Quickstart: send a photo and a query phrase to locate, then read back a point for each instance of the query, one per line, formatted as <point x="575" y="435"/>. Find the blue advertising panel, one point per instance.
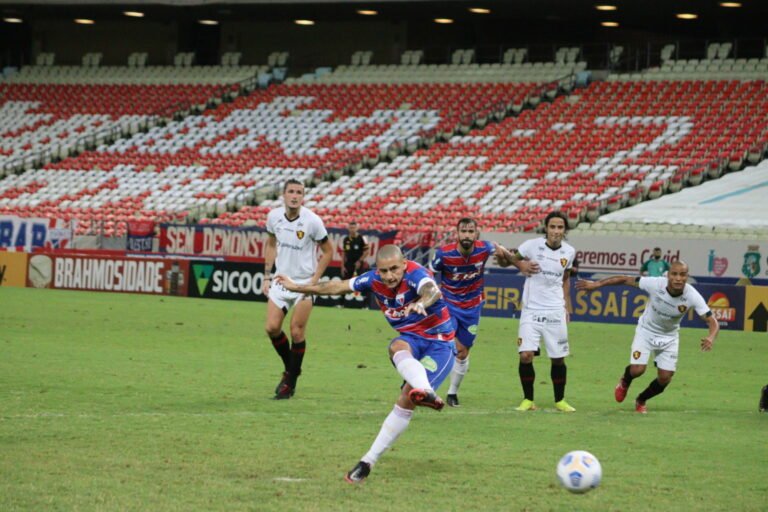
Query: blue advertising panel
<point x="615" y="304"/>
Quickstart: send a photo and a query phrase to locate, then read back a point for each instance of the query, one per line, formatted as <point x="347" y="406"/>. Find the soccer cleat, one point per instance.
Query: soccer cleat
<point x="640" y="407"/>
<point x="563" y="406"/>
<point x="452" y="400"/>
<point x="286" y="388"/>
<point x="526" y="405"/>
<point x="284" y="379"/>
<point x="426" y="398"/>
<point x="358" y="473"/>
<point x="620" y="391"/>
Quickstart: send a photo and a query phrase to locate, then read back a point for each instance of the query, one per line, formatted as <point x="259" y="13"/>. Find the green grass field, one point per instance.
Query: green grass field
<point x="129" y="402"/>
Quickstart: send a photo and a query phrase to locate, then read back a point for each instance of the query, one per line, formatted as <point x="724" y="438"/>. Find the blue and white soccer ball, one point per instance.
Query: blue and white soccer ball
<point x="579" y="471"/>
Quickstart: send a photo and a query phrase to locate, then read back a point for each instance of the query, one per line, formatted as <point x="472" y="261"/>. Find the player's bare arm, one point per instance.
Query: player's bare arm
<point x="505" y="258"/>
<point x="270" y="253"/>
<point x="714" y="328"/>
<point x="326" y="249"/>
<point x="567" y="297"/>
<point x="428" y="295"/>
<point x="587" y="285"/>
<point x="324" y="288"/>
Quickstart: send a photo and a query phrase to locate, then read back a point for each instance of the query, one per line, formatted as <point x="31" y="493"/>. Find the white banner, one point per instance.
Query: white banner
<point x="616" y="254"/>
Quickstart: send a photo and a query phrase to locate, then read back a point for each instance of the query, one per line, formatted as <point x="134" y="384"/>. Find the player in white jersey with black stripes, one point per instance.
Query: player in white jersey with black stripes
<point x="546" y="307"/>
<point x="658" y="330"/>
<point x="294" y="234"/>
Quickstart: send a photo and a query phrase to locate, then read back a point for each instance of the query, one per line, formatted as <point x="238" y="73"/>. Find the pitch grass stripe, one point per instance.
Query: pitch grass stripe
<point x="379" y="412"/>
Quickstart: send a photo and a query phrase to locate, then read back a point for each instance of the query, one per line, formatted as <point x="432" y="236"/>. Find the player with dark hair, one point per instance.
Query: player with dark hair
<point x="461" y="265"/>
<point x="422" y="352"/>
<point x="294" y="232"/>
<point x="658" y="330"/>
<point x="546" y="308"/>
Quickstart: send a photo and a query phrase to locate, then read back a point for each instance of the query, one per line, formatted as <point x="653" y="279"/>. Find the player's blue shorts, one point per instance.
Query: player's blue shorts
<point x="436" y="356"/>
<point x="465" y="322"/>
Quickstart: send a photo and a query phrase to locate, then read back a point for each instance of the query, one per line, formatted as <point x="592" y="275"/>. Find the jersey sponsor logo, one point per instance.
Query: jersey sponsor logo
<point x="472" y="329"/>
<point x="636" y="355"/>
<point x="563" y="262"/>
<point x="429" y="364"/>
<point x="300" y="235"/>
<point x="682" y="308"/>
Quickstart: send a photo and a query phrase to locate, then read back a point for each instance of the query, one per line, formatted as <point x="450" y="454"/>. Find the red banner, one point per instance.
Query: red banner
<point x="109" y="274"/>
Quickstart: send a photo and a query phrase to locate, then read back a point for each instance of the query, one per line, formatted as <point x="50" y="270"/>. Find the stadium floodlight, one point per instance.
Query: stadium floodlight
<point x="367" y="12"/>
<point x="687" y="15"/>
<point x="479" y="10"/>
<point x="13" y="20"/>
<point x="84" y="21"/>
<point x="444" y="21"/>
<point x="604" y="7"/>
<point x="610" y="23"/>
<point x="730" y="4"/>
<point x="133" y="14"/>
<point x="208" y="22"/>
<point x="304" y="22"/>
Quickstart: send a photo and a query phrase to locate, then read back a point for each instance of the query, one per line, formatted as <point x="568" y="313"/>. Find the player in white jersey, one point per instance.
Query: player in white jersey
<point x="546" y="308"/>
<point x="658" y="330"/>
<point x="294" y="235"/>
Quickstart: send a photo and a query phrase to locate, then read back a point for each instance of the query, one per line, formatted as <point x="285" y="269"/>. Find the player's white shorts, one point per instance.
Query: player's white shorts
<point x="550" y="325"/>
<point x="663" y="347"/>
<point x="285" y="299"/>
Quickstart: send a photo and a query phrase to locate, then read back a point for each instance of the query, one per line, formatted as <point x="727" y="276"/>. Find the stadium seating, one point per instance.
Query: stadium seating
<point x="610" y="147"/>
<point x="208" y="164"/>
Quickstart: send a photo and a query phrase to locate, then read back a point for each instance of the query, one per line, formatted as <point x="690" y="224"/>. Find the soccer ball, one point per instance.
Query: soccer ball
<point x="579" y="471"/>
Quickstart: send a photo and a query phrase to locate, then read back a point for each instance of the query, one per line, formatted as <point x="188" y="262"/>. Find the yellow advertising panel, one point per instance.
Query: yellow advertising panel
<point x="13" y="269"/>
<point x="756" y="309"/>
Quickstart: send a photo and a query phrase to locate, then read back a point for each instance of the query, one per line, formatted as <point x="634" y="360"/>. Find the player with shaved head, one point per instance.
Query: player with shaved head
<point x="422" y="351"/>
<point x="658" y="330"/>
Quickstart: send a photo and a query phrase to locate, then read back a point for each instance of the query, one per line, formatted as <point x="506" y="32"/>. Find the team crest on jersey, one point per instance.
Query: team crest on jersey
<point x="300" y="234"/>
<point x="400" y="299"/>
<point x="682" y="308"/>
<point x="636" y="354"/>
<point x="563" y="262"/>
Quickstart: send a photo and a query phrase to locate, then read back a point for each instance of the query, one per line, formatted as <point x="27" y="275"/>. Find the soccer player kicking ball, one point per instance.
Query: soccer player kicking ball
<point x="461" y="265"/>
<point x="422" y="352"/>
<point x="658" y="330"/>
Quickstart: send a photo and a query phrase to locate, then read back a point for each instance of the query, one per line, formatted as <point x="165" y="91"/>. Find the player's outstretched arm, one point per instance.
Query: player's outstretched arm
<point x="587" y="285"/>
<point x="714" y="328"/>
<point x="324" y="288"/>
<point x="429" y="293"/>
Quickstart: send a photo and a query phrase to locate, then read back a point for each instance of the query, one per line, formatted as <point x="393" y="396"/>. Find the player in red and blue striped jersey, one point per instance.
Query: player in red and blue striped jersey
<point x="461" y="265"/>
<point x="422" y="352"/>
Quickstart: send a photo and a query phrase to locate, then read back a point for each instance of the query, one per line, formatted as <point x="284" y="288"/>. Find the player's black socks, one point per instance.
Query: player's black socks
<point x="297" y="357"/>
<point x="627" y="377"/>
<point x="527" y="377"/>
<point x="282" y="348"/>
<point x="558" y="374"/>
<point x="653" y="389"/>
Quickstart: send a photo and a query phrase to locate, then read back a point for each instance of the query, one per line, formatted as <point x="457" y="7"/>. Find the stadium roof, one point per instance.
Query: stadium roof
<point x="551" y="16"/>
